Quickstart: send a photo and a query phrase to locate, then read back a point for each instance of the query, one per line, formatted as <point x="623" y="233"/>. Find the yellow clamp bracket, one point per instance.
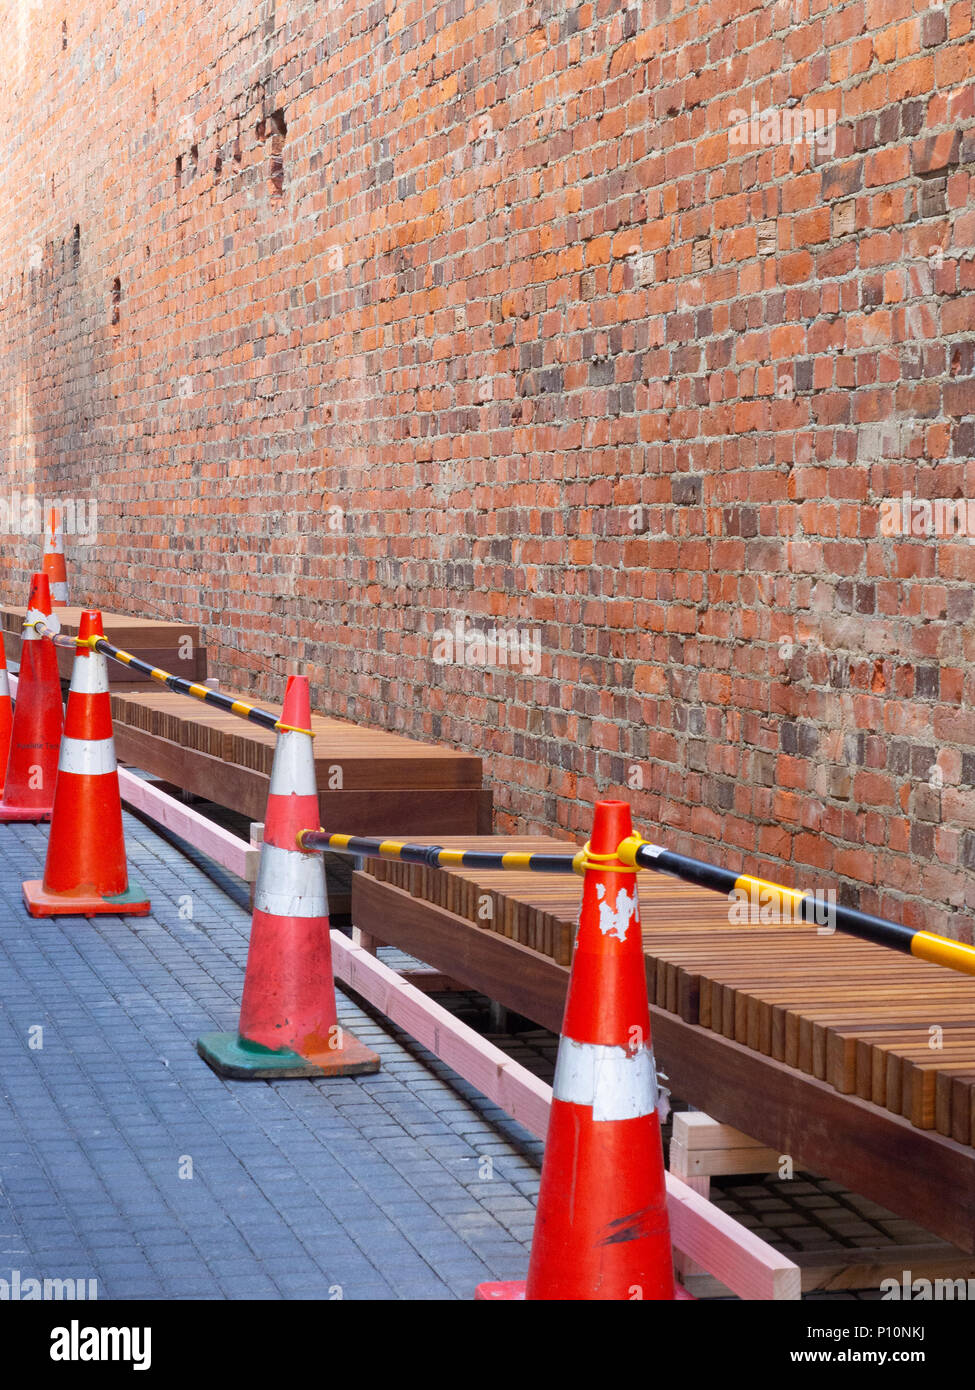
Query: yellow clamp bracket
<point x="609" y="863"/>
<point x="626" y="850"/>
<point x="291" y="728"/>
<point x="59" y="637"/>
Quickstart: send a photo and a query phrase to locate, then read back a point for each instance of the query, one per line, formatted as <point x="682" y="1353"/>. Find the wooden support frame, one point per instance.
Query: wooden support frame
<point x="701" y="1147"/>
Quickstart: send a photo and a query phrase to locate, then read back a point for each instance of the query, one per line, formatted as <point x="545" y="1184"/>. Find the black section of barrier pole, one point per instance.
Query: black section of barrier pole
<point x="812" y="908"/>
<point x="190" y="688"/>
<point x="435" y="855"/>
<point x="553" y="863"/>
<point x="692" y="870"/>
<point x="856" y="923"/>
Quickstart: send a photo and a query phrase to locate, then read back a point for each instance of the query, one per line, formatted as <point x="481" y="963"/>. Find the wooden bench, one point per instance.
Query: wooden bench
<point x="370" y="782"/>
<point x="176" y="647"/>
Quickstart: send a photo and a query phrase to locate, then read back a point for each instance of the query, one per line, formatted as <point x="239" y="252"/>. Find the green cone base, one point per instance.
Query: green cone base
<point x="132" y="903"/>
<point x="230" y="1055"/>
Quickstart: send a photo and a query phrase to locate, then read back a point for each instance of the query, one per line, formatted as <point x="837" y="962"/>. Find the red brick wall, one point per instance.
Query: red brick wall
<point x="570" y="347"/>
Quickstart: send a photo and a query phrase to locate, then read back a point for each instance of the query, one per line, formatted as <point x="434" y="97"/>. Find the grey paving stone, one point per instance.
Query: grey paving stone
<point x="298" y="1188"/>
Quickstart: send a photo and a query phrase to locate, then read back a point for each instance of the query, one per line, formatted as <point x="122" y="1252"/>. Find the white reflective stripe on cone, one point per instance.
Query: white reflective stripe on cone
<point x="290" y="884"/>
<point x="60" y="591"/>
<point x="89" y="757"/>
<point x="293" y="769"/>
<point x="619" y="1085"/>
<point x="89" y="674"/>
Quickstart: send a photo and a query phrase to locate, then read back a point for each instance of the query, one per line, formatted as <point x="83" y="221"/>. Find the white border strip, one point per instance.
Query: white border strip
<point x="617" y="1085"/>
<point x="87" y="757"/>
<point x="290" y="884"/>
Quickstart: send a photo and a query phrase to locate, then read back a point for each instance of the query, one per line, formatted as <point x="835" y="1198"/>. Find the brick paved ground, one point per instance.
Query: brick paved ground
<point x="375" y="1186"/>
<point x="407" y="1184"/>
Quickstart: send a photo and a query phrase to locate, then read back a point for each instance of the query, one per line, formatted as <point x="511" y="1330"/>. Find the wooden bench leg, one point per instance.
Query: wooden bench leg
<point x="702" y="1147"/>
<point x="365" y="941"/>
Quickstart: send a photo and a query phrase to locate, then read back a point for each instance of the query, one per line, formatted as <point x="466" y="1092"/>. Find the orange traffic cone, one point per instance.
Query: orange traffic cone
<point x="35" y="735"/>
<point x="601" y="1230"/>
<point x="288" y="1022"/>
<point x="52" y="562"/>
<point x="85" y="872"/>
<point x="6" y="713"/>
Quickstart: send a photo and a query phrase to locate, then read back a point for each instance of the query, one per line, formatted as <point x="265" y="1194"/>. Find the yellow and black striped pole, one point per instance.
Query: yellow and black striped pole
<point x="176" y="683"/>
<point x="641" y="854"/>
<point x="438" y="857"/>
<point x="803" y="907"/>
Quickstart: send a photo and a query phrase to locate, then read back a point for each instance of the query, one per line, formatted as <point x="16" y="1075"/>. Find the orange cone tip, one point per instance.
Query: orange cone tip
<point x="52" y="562"/>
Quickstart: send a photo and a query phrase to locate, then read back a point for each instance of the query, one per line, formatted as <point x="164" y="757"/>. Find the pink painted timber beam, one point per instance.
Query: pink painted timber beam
<point x="221" y="845"/>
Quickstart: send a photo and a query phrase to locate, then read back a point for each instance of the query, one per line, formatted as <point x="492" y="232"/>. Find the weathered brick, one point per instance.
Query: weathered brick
<point x="453" y="311"/>
<point x="935" y="153"/>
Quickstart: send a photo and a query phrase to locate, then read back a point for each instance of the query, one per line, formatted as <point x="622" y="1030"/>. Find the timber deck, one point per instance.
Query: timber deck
<point x="817" y="1045"/>
<point x="370" y="781"/>
<point x="176" y="647"/>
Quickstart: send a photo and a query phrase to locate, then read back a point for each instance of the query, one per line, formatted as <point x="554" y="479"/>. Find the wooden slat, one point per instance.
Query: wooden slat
<point x="177" y="647"/>
<point x="354" y="757"/>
